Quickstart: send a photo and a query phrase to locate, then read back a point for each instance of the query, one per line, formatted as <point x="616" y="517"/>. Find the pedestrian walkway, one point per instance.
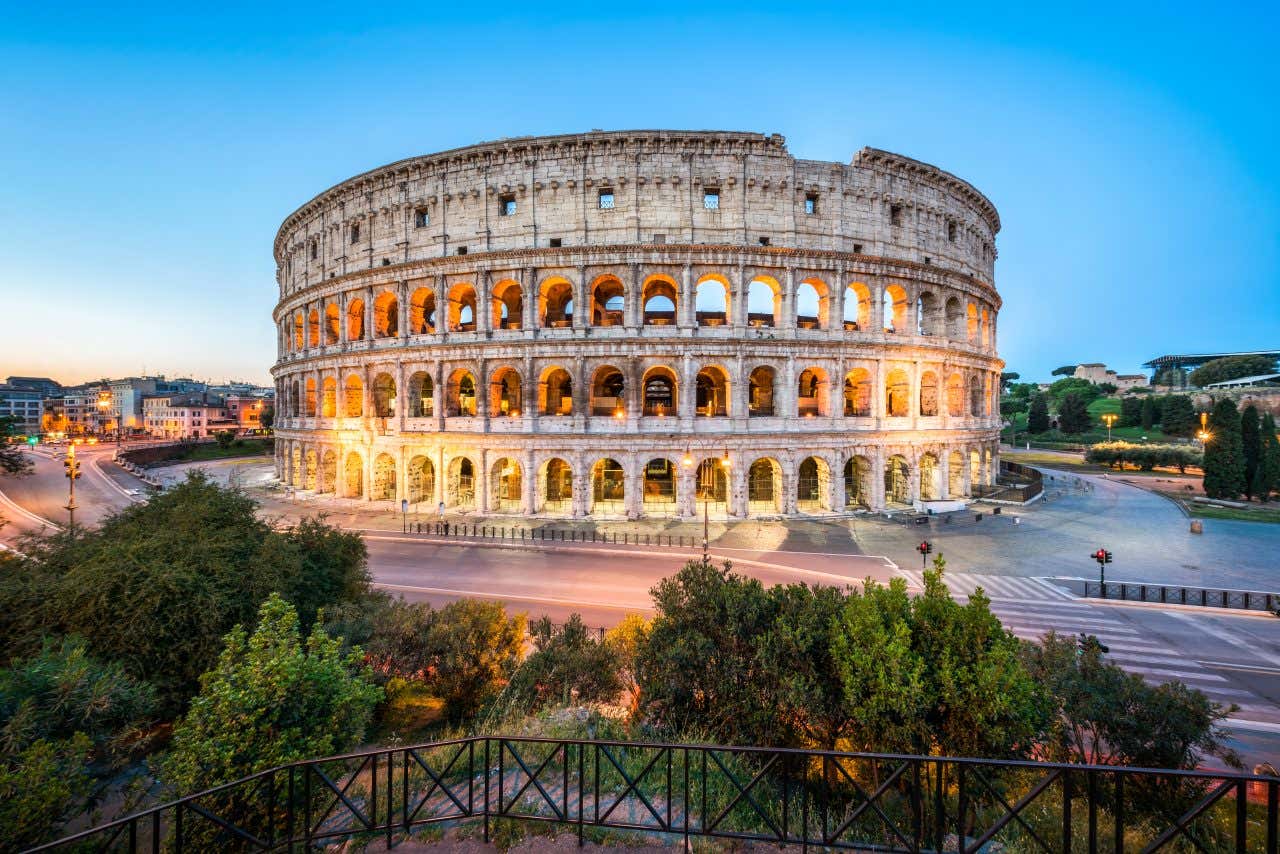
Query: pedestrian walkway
<point x="995" y="586"/>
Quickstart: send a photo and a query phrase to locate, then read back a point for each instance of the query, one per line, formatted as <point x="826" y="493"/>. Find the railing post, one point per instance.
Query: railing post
<point x="582" y="749"/>
<point x="1092" y="796"/>
<point x="1066" y="810"/>
<point x="1273" y="815"/>
<point x="1118" y="813"/>
<point x="486" y="787"/>
<point x="963" y="807"/>
<point x="1242" y="817"/>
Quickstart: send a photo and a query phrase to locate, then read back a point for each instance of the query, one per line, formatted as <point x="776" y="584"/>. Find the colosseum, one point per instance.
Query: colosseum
<point x="640" y="324"/>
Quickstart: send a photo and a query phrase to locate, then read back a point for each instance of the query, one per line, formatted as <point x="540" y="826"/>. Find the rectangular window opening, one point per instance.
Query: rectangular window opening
<point x="462" y="250"/>
<point x="711" y="199"/>
<point x="811" y="204"/>
<point x="659" y="238"/>
<point x="355" y="233"/>
<point x="857" y="249"/>
<point x="606" y="199"/>
<point x="895" y="214"/>
<point x="421" y="218"/>
<point x="764" y="241"/>
<point x="951" y="232"/>
<point x="506" y="205"/>
<point x="556" y="242"/>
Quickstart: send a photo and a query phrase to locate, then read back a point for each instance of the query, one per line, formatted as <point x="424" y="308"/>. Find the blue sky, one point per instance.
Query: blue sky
<point x="148" y="155"/>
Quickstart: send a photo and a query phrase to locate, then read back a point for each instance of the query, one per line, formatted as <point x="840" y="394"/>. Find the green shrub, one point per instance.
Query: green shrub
<point x="1144" y="456"/>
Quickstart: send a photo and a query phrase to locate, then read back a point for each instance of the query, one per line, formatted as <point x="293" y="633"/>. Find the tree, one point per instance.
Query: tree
<point x="1064" y="371"/>
<point x="1178" y="415"/>
<point x="41" y="787"/>
<point x="568" y="665"/>
<point x="268" y="416"/>
<point x="1083" y="389"/>
<point x="1073" y="415"/>
<point x="474" y="648"/>
<point x="1038" y="415"/>
<point x="158" y="585"/>
<point x="1270" y="457"/>
<point x="1023" y="391"/>
<point x="1224" y="453"/>
<point x="1007" y="377"/>
<point x="225" y="438"/>
<point x="1130" y="411"/>
<point x="12" y="458"/>
<point x="1011" y="406"/>
<point x="1231" y="368"/>
<point x="271" y="700"/>
<point x="1148" y="413"/>
<point x="1251" y="448"/>
<point x="1108" y="388"/>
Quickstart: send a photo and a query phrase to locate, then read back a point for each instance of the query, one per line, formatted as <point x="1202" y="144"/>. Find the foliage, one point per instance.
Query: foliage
<point x="1178" y="416"/>
<point x="1022" y="391"/>
<point x="268" y="416"/>
<point x="1171" y="377"/>
<point x="1224" y="453"/>
<point x="569" y="665"/>
<point x="1108" y="388"/>
<point x="1011" y="406"/>
<point x="13" y="460"/>
<point x="1145" y="456"/>
<point x="1130" y="412"/>
<point x="41" y="787"/>
<point x="1038" y="415"/>
<point x="62" y="691"/>
<point x="1106" y="716"/>
<point x="1231" y="368"/>
<point x="270" y="700"/>
<point x="225" y="438"/>
<point x="1073" y="414"/>
<point x="1150" y="412"/>
<point x="1081" y="388"/>
<point x="1270" y="457"/>
<point x="1251" y="447"/>
<point x="1064" y="371"/>
<point x="156" y="586"/>
<point x="627" y="639"/>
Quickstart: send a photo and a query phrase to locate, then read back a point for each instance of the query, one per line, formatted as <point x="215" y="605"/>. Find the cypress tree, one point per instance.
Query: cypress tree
<point x="1270" y="466"/>
<point x="1251" y="440"/>
<point x="1224" y="453"/>
<point x="1148" y="412"/>
<point x="1038" y="415"/>
<point x="1178" y="416"/>
<point x="1073" y="414"/>
<point x="1130" y="411"/>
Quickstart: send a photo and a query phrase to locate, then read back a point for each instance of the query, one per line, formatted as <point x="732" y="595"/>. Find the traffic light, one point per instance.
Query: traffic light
<point x="33" y="440"/>
<point x="72" y="466"/>
<point x="925" y="548"/>
<point x="1102" y="556"/>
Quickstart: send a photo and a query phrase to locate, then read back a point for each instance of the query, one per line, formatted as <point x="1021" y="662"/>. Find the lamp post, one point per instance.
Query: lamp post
<point x="1109" y="419"/>
<point x="1204" y="435"/>
<point x="72" y="466"/>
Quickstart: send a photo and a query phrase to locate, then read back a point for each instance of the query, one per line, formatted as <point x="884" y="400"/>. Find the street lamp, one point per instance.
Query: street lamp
<point x="72" y="466"/>
<point x="1109" y="419"/>
<point x="1204" y="435"/>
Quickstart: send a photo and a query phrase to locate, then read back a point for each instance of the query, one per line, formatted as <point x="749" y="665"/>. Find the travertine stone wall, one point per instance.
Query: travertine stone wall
<point x="631" y="323"/>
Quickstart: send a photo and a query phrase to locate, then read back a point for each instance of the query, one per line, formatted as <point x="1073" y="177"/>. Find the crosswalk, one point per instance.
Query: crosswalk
<point x="1031" y="607"/>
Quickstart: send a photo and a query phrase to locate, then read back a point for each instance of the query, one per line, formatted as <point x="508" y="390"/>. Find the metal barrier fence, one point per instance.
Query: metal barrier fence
<point x="520" y="534"/>
<point x="674" y="793"/>
<point x="1132" y="591"/>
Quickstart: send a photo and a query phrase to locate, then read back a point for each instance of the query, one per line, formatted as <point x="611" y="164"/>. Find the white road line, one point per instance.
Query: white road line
<point x="513" y="596"/>
<point x="22" y="511"/>
<point x="96" y="464"/>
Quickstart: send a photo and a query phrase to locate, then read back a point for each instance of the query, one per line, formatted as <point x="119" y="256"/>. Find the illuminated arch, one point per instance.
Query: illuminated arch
<point x="608" y="301"/>
<point x="711" y="300"/>
<point x="313" y="328"/>
<point x="386" y="315"/>
<point x="555" y="303"/>
<point x="557" y="487"/>
<point x="422" y="311"/>
<point x="384" y="478"/>
<point x="421" y="402"/>
<point x="857" y="482"/>
<point x="462" y="309"/>
<point x="608" y="486"/>
<point x="421" y="480"/>
<point x="353" y="476"/>
<point x="857" y="393"/>
<point x="955" y="395"/>
<point x="508" y="305"/>
<point x="460" y="491"/>
<point x="897" y="481"/>
<point x="659" y="300"/>
<point x="506" y="393"/>
<point x="813" y="300"/>
<point x="353" y="397"/>
<point x="555" y="392"/>
<point x="929" y="473"/>
<point x="895" y="309"/>
<point x="461" y="394"/>
<point x="813" y="485"/>
<point x="897" y="390"/>
<point x="813" y="393"/>
<point x="857" y="307"/>
<point x="764" y="487"/>
<point x="661" y="392"/>
<point x="355" y="320"/>
<point x="659" y="486"/>
<point x="332" y="324"/>
<point x="329" y="398"/>
<point x="506" y="486"/>
<point x="760" y="384"/>
<point x="764" y="302"/>
<point x="608" y="390"/>
<point x="928" y="394"/>
<point x="712" y="391"/>
<point x="384" y="396"/>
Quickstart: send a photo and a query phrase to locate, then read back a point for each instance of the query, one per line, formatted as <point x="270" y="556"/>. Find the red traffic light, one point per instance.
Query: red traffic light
<point x="925" y="547"/>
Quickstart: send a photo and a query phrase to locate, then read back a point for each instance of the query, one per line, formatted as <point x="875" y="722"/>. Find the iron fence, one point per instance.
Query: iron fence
<point x="674" y="793"/>
<point x="520" y="534"/>
<point x="1133" y="591"/>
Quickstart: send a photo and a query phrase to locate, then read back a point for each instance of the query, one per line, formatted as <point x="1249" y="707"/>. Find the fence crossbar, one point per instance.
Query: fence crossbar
<point x="872" y="802"/>
<point x="1014" y="813"/>
<point x="633" y="786"/>
<point x="1182" y="824"/>
<point x="436" y="782"/>
<point x="533" y="779"/>
<point x="744" y="794"/>
<point x="227" y="826"/>
<point x="340" y="796"/>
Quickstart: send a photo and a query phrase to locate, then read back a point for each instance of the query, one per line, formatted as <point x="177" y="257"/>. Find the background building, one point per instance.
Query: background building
<point x="24" y="404"/>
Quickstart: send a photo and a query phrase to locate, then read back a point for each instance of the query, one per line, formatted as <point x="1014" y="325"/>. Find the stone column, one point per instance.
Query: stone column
<point x="915" y="393"/>
<point x="528" y="484"/>
<point x="686" y="392"/>
<point x="788" y="302"/>
<point x="402" y="475"/>
<point x="402" y="395"/>
<point x="368" y="314"/>
<point x="738" y="287"/>
<point x="342" y="320"/>
<point x="528" y="396"/>
<point x="876" y="488"/>
<point x="442" y="305"/>
<point x="789" y="482"/>
<point x="438" y="397"/>
<point x="581" y="395"/>
<point x="482" y="394"/>
<point x="877" y="305"/>
<point x="529" y="294"/>
<point x="485" y="321"/>
<point x="581" y="307"/>
<point x="686" y="315"/>
<point x="835" y="301"/>
<point x="633" y="307"/>
<point x="738" y="472"/>
<point x="368" y="471"/>
<point x="581" y="485"/>
<point x="790" y="400"/>
<point x="482" y="481"/>
<point x="402" y="310"/>
<point x="633" y="478"/>
<point x="835" y="484"/>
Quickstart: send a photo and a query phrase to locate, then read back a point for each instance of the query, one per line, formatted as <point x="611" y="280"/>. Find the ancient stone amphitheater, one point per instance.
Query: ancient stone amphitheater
<point x="640" y="323"/>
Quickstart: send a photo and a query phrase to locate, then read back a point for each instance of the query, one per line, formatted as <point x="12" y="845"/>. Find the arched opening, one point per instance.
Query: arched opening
<point x="310" y="464"/>
<point x="556" y="392"/>
<point x="461" y="486"/>
<point x="897" y="481"/>
<point x="988" y="476"/>
<point x="353" y="476"/>
<point x="955" y="474"/>
<point x="928" y="314"/>
<point x="975" y="396"/>
<point x="929" y="478"/>
<point x="955" y="319"/>
<point x="975" y="469"/>
<point x="660" y="393"/>
<point x="386" y="315"/>
<point x="712" y="388"/>
<point x="811" y="304"/>
<point x="422" y="390"/>
<point x="986" y="329"/>
<point x="353" y="397"/>
<point x="505" y="484"/>
<point x="328" y="472"/>
<point x="384" y="478"/>
<point x="760" y="392"/>
<point x="313" y="328"/>
<point x="421" y="480"/>
<point x="329" y="398"/>
<point x="659" y="299"/>
<point x="332" y="323"/>
<point x="608" y="302"/>
<point x="857" y="307"/>
<point x="295" y="404"/>
<point x="310" y="397"/>
<point x="971" y="325"/>
<point x="557" y="478"/>
<point x="813" y="485"/>
<point x="508" y="305"/>
<point x="299" y="331"/>
<point x="422" y="311"/>
<point x="505" y="394"/>
<point x="764" y="302"/>
<point x="355" y="320"/>
<point x="555" y="301"/>
<point x="461" y="394"/>
<point x="857" y="393"/>
<point x="711" y="485"/>
<point x="711" y="301"/>
<point x="895" y="309"/>
<point x="897" y="389"/>
<point x="295" y="467"/>
<point x="812" y="393"/>
<point x="928" y="394"/>
<point x="857" y="482"/>
<point x="764" y="487"/>
<point x="607" y="388"/>
<point x="462" y="308"/>
<point x="608" y="486"/>
<point x="659" y="486"/>
<point x="384" y="396"/>
<point x="955" y="396"/>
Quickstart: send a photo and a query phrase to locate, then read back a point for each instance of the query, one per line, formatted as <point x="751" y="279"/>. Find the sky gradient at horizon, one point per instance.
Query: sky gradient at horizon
<point x="149" y="156"/>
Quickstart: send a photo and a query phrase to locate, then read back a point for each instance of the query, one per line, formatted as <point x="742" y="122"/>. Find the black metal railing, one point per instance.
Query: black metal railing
<point x="672" y="793"/>
<point x="521" y="534"/>
<point x="1165" y="594"/>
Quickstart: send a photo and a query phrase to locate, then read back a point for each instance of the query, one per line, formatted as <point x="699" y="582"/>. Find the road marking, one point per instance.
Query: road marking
<point x="553" y="600"/>
<point x="22" y="511"/>
<point x="95" y="463"/>
<point x="1252" y="668"/>
<point x="1221" y="634"/>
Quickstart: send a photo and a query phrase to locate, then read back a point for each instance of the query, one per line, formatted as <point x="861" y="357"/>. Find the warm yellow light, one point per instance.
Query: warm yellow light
<point x="725" y="462"/>
<point x="618" y="413"/>
<point x="688" y="460"/>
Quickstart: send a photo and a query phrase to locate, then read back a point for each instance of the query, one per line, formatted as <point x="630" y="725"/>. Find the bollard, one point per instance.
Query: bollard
<point x="1197" y="527"/>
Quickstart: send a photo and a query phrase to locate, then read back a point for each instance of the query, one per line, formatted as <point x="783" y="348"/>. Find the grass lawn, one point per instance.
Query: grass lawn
<point x="1104" y="405"/>
<point x="1261" y="513"/>
<point x="239" y="448"/>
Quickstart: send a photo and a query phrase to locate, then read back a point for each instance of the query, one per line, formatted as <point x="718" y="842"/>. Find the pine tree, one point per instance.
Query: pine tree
<point x="1130" y="411"/>
<point x="1251" y="440"/>
<point x="1073" y="414"/>
<point x="1148" y="412"/>
<point x="1270" y="457"/>
<point x="1224" y="453"/>
<point x="1178" y="416"/>
<point x="1038" y="415"/>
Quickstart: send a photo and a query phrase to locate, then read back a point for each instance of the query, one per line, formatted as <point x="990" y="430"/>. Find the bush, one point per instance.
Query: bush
<point x="1073" y="414"/>
<point x="1146" y="456"/>
<point x="225" y="438"/>
<point x="569" y="665"/>
<point x="41" y="787"/>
